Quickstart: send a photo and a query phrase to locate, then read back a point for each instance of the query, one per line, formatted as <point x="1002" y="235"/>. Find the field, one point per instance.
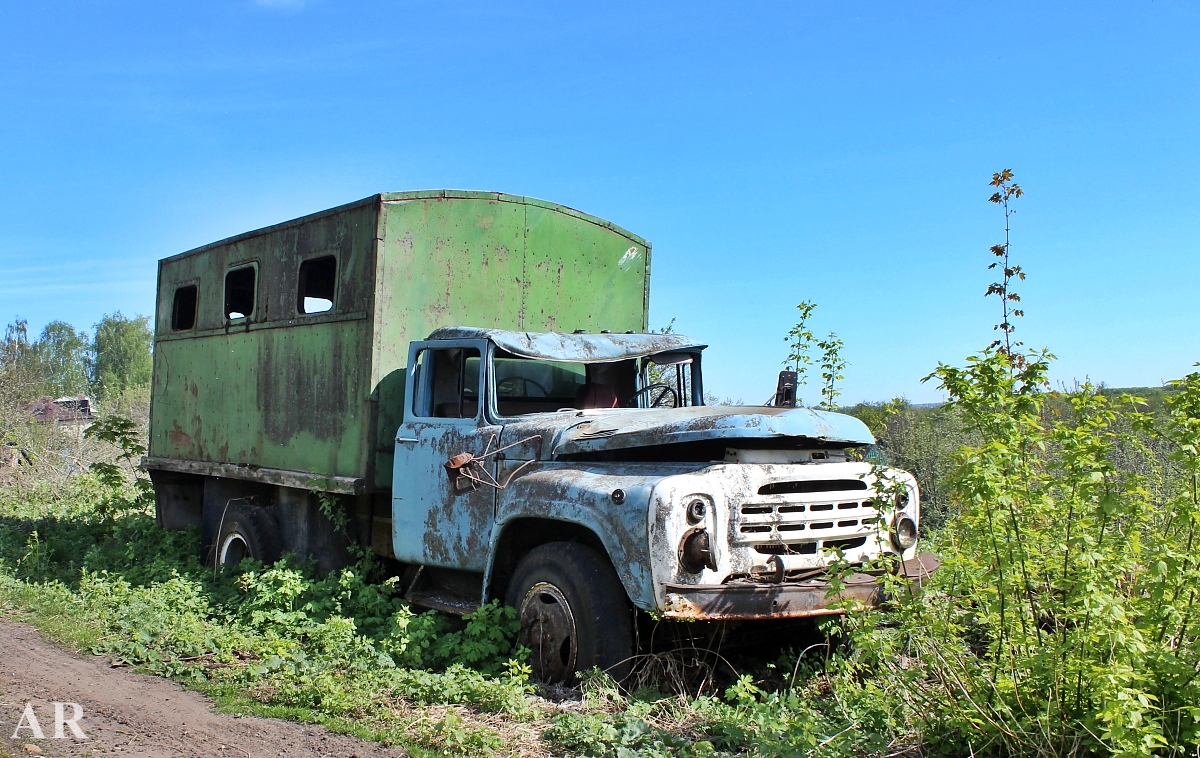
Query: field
<point x="1061" y="623"/>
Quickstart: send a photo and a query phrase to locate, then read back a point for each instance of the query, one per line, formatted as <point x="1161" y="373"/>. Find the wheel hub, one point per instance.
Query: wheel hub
<point x="233" y="550"/>
<point x="548" y="630"/>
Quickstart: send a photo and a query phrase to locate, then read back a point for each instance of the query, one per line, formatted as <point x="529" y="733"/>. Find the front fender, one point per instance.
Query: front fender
<point x="583" y="494"/>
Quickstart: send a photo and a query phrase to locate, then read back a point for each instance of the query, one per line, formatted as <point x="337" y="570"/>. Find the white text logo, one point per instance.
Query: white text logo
<point x="29" y="722"/>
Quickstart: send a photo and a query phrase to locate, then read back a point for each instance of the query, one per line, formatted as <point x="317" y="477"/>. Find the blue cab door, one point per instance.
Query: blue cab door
<point x="440" y="516"/>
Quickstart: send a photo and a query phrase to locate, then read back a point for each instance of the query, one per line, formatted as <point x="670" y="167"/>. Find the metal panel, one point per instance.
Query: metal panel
<point x="494" y="261"/>
<point x="437" y="519"/>
<point x="442" y="262"/>
<point x="323" y="393"/>
<point x="803" y="599"/>
<point x="560" y="346"/>
<point x="277" y="390"/>
<point x="618" y="430"/>
<point x="582" y="276"/>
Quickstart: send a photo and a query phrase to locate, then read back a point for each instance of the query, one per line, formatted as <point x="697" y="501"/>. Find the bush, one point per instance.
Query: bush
<point x="1062" y="621"/>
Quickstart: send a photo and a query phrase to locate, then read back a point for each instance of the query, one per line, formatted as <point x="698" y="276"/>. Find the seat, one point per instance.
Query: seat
<point x="596" y="395"/>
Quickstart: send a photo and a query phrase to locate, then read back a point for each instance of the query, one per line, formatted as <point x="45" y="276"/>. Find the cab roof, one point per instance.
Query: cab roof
<point x="563" y="346"/>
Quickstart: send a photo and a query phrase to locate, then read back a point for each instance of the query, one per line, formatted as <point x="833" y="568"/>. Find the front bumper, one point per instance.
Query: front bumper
<point x="811" y="597"/>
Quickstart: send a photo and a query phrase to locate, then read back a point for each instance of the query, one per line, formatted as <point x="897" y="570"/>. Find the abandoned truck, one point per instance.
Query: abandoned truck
<point x="463" y="383"/>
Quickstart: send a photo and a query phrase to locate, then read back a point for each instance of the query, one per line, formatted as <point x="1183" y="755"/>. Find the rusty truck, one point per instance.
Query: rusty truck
<point x="464" y="384"/>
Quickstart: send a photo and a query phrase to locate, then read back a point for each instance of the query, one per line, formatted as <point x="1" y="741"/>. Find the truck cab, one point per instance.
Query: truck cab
<point x="580" y="476"/>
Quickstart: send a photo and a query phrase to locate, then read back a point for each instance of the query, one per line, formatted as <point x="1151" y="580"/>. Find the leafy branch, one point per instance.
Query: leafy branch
<point x="800" y="341"/>
<point x="122" y="432"/>
<point x="832" y="366"/>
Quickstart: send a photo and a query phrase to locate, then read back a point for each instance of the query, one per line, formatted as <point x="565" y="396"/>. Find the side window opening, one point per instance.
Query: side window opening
<point x="448" y="383"/>
<point x="239" y="293"/>
<point x="672" y="370"/>
<point x="318" y="284"/>
<point x="183" y="308"/>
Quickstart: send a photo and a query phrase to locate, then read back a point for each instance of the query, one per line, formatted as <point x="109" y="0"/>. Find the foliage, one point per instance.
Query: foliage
<point x="832" y="366"/>
<point x="16" y="353"/>
<point x="115" y="366"/>
<point x="20" y="378"/>
<point x="333" y="644"/>
<point x="1061" y="621"/>
<point x="801" y="340"/>
<point x="1006" y="192"/>
<point x="62" y="354"/>
<point x="922" y="441"/>
<point x="122" y="354"/>
<point x="123" y="433"/>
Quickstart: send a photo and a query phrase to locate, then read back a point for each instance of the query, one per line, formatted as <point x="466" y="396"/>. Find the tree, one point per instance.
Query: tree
<point x="62" y="359"/>
<point x="20" y="376"/>
<point x="19" y="379"/>
<point x="122" y="354"/>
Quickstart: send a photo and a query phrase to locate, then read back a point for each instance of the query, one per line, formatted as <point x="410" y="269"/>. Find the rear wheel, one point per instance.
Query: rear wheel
<point x="573" y="611"/>
<point x="246" y="531"/>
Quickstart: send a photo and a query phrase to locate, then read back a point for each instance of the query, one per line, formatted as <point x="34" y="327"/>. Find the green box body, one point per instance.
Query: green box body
<point x="314" y="400"/>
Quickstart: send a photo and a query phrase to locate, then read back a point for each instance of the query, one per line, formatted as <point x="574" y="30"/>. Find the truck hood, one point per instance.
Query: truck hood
<point x="617" y="429"/>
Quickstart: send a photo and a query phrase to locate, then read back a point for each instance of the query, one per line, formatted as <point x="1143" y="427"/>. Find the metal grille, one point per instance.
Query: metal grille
<point x="801" y="522"/>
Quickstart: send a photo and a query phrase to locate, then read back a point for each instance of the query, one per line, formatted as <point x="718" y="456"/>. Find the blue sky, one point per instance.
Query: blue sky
<point x="772" y="152"/>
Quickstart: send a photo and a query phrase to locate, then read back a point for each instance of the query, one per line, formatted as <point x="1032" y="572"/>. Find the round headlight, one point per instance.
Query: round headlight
<point x="695" y="552"/>
<point x="904" y="533"/>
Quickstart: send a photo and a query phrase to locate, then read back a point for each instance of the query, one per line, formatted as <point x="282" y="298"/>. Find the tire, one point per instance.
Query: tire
<point x="573" y="612"/>
<point x="246" y="531"/>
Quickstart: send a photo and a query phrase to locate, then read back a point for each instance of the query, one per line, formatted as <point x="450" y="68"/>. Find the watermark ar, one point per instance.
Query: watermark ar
<point x="29" y="722"/>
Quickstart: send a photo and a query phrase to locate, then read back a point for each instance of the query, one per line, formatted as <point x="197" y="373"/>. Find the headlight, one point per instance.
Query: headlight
<point x="695" y="552"/>
<point x="904" y="533"/>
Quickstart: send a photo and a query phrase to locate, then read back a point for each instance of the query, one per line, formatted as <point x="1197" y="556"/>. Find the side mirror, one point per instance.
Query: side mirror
<point x="785" y="390"/>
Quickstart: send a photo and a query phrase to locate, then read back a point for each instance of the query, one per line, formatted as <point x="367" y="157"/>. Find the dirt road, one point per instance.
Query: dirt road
<point x="131" y="714"/>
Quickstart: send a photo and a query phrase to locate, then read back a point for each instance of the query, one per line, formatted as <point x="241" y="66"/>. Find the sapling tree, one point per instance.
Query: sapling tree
<point x="832" y="366"/>
<point x="800" y="341"/>
<point x="1006" y="192"/>
<point x="122" y="433"/>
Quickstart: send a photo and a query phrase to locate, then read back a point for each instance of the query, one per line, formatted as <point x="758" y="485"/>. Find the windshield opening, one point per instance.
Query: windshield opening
<point x="530" y="385"/>
<point x="535" y="385"/>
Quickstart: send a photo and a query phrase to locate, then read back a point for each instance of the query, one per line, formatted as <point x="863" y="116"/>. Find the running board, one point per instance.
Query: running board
<point x="441" y="600"/>
<point x="446" y="590"/>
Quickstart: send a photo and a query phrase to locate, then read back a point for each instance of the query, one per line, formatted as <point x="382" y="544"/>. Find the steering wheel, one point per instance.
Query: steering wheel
<point x="657" y="401"/>
<point x="509" y="386"/>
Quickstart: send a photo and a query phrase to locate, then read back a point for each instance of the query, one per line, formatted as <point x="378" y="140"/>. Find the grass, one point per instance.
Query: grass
<point x="1034" y="594"/>
<point x="89" y="567"/>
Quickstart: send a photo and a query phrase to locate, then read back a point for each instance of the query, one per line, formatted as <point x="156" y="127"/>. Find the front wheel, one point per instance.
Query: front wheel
<point x="573" y="612"/>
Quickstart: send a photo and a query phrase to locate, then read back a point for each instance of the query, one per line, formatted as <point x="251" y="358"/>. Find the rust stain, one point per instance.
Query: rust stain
<point x="759" y="600"/>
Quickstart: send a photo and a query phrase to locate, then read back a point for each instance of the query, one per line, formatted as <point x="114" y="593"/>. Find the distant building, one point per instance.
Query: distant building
<point x="63" y="410"/>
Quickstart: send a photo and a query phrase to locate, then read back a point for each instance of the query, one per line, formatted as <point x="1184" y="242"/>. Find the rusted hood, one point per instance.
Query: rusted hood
<point x="619" y="429"/>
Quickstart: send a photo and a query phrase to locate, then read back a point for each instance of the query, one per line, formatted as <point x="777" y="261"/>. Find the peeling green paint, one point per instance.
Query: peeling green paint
<point x="322" y="394"/>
